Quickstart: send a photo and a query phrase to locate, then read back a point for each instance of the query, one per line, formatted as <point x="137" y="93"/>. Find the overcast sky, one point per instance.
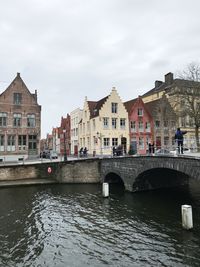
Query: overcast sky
<point x="69" y="49"/>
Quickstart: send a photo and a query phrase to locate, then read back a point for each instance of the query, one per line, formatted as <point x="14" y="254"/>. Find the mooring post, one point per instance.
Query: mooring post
<point x="187" y="221"/>
<point x="105" y="188"/>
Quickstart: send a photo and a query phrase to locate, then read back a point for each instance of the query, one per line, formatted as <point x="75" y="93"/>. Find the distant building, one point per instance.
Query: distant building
<point x="75" y="116"/>
<point x="56" y="140"/>
<point x="65" y="135"/>
<point x="140" y="126"/>
<point x="20" y="120"/>
<point x="49" y="141"/>
<point x="104" y="125"/>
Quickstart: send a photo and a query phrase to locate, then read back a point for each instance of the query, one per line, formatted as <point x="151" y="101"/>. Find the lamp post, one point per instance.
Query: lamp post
<point x="99" y="136"/>
<point x="65" y="151"/>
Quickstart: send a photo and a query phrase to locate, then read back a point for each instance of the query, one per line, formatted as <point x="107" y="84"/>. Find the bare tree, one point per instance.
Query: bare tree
<point x="188" y="96"/>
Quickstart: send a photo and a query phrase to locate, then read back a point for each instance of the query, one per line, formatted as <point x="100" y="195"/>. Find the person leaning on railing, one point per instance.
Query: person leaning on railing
<point x="179" y="139"/>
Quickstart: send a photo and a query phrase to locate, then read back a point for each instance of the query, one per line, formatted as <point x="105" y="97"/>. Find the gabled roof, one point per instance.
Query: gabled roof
<point x="17" y="79"/>
<point x="95" y="106"/>
<point x="176" y="83"/>
<point x="129" y="105"/>
<point x="155" y="90"/>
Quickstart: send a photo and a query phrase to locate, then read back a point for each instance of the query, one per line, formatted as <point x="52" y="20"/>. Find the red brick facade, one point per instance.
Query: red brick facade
<point x="140" y="125"/>
<point x="65" y="135"/>
<point x="20" y="120"/>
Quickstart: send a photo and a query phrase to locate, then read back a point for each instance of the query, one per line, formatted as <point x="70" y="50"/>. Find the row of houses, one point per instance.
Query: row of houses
<point x="109" y="122"/>
<point x="99" y="125"/>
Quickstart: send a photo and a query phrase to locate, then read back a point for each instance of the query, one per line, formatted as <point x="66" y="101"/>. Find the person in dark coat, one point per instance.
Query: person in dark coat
<point x="179" y="139"/>
<point x="81" y="152"/>
<point x="85" y="152"/>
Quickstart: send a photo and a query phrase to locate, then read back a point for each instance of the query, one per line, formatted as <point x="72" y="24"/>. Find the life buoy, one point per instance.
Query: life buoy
<point x="49" y="170"/>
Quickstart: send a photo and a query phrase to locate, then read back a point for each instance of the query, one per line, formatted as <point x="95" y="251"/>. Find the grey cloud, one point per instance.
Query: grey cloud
<point x="71" y="48"/>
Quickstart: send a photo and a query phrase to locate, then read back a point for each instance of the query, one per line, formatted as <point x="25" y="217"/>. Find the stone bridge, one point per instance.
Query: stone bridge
<point x="150" y="172"/>
<point x="136" y="173"/>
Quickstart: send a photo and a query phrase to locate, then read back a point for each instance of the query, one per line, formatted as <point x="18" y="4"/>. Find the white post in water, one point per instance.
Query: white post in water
<point x="105" y="188"/>
<point x="187" y="221"/>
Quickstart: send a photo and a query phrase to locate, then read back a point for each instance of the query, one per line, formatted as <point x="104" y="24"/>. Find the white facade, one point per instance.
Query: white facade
<point x="75" y="116"/>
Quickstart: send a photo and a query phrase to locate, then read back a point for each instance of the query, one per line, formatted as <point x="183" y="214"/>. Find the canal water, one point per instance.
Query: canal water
<point x="73" y="225"/>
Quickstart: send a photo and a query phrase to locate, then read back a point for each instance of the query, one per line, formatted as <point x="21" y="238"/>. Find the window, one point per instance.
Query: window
<point x="106" y="142"/>
<point x="105" y="123"/>
<point x="114" y="123"/>
<point x="114" y="141"/>
<point x="31" y="120"/>
<point x="157" y="124"/>
<point x="17" y="118"/>
<point x="88" y="142"/>
<point x="32" y="142"/>
<point x="141" y="126"/>
<point x="22" y="142"/>
<point x="3" y="119"/>
<point x="88" y="126"/>
<point x="11" y="143"/>
<point x="114" y="107"/>
<point x="17" y="98"/>
<point x="133" y="126"/>
<point x="140" y="112"/>
<point x="165" y="124"/>
<point x="93" y="123"/>
<point x="122" y="123"/>
<point x="183" y="122"/>
<point x="166" y="140"/>
<point x="148" y="127"/>
<point x="141" y="143"/>
<point x="2" y="144"/>
<point x="173" y="124"/>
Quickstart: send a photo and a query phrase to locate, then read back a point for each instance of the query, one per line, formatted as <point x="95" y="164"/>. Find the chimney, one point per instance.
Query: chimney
<point x="36" y="95"/>
<point x="18" y="74"/>
<point x="158" y="83"/>
<point x="169" y="77"/>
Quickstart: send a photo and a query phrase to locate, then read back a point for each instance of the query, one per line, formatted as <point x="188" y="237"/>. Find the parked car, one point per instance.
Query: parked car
<point x="53" y="155"/>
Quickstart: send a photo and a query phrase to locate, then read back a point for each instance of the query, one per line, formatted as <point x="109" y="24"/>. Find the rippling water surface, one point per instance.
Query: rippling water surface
<point x="72" y="225"/>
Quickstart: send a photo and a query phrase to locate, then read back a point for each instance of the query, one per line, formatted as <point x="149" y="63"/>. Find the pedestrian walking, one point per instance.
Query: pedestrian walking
<point x="179" y="139"/>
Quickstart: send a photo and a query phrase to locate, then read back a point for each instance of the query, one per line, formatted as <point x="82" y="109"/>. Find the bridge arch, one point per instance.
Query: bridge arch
<point x="156" y="178"/>
<point x="114" y="178"/>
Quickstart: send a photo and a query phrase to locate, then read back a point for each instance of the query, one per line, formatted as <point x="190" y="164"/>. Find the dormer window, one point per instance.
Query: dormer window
<point x="140" y="112"/>
<point x="17" y="98"/>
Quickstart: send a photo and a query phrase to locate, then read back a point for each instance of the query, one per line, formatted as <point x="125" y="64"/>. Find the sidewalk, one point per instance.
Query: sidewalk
<point x="191" y="154"/>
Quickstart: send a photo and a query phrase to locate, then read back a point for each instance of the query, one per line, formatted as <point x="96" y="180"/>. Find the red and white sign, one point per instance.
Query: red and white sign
<point x="49" y="170"/>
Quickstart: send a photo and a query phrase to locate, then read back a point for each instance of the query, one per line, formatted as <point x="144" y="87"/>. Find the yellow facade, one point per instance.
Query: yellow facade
<point x="100" y="133"/>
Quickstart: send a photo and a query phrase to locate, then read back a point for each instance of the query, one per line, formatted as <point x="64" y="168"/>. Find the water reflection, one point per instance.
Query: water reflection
<point x="73" y="225"/>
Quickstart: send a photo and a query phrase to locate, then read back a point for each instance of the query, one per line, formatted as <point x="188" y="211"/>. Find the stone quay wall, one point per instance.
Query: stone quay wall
<point x="77" y="171"/>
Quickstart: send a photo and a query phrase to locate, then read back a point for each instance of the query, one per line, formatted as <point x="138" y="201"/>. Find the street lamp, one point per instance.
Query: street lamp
<point x="99" y="136"/>
<point x="65" y="151"/>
